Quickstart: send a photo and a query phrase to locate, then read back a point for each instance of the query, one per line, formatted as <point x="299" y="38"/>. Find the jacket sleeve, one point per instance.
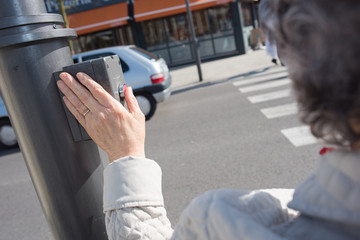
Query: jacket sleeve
<point x="133" y="201"/>
<point x="231" y="215"/>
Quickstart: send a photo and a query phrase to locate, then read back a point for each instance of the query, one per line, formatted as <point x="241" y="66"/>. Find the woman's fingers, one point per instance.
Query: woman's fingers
<point x="99" y="93"/>
<point x="71" y="97"/>
<point x="131" y="101"/>
<point x="77" y="94"/>
<point x="74" y="111"/>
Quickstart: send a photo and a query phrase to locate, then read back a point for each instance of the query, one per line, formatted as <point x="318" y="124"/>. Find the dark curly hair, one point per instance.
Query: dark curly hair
<point x="319" y="42"/>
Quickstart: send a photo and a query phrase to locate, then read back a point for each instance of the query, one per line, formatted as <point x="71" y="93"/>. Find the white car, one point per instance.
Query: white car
<point x="7" y="134"/>
<point x="147" y="74"/>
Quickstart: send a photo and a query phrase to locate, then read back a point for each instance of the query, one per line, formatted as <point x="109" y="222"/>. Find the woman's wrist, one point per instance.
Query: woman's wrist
<point x="114" y="156"/>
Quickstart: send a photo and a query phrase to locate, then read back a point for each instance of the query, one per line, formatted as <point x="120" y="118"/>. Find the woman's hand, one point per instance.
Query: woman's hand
<point x="117" y="131"/>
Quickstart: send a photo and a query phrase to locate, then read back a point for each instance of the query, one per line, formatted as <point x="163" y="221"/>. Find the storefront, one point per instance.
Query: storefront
<point x="162" y="27"/>
<point x="170" y="36"/>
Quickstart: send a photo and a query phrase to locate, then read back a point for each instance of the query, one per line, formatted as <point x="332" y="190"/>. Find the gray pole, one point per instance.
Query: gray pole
<point x="67" y="176"/>
<point x="195" y="42"/>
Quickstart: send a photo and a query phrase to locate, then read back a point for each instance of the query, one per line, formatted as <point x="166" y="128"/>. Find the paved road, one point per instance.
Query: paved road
<point x="21" y="216"/>
<point x="240" y="133"/>
<point x="234" y="133"/>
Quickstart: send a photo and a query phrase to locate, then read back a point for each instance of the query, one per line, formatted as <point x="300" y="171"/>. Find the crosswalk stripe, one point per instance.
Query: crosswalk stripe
<point x="266" y="85"/>
<point x="299" y="136"/>
<point x="264" y="72"/>
<point x="270" y="96"/>
<point x="260" y="78"/>
<point x="280" y="111"/>
<point x="260" y="73"/>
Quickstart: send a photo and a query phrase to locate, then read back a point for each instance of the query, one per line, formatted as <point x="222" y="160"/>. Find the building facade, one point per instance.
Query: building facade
<point x="222" y="27"/>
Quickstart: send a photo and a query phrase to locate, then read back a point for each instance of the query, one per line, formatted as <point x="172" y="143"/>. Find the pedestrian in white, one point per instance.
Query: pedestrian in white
<point x="271" y="49"/>
<point x="265" y="14"/>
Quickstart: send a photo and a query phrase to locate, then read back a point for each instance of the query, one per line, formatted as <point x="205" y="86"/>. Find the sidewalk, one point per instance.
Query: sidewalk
<point x="223" y="69"/>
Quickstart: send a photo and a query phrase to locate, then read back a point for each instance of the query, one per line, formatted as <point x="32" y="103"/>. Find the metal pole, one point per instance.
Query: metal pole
<point x="67" y="176"/>
<point x="195" y="42"/>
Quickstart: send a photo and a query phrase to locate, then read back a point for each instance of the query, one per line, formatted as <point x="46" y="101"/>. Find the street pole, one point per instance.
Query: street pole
<point x="195" y="43"/>
<point x="67" y="175"/>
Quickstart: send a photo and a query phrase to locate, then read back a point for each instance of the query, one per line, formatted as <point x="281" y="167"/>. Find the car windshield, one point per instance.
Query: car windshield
<point x="144" y="53"/>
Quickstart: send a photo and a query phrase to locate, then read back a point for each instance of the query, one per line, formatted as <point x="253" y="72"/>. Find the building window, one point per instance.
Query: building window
<point x="203" y="32"/>
<point x="222" y="29"/>
<point x="112" y="37"/>
<point x="176" y="28"/>
<point x="155" y="38"/>
<point x="103" y="39"/>
<point x="178" y="34"/>
<point x="154" y="34"/>
<point x="246" y="14"/>
<point x="170" y="37"/>
<point x="124" y="36"/>
<point x="83" y="43"/>
<point x="221" y="20"/>
<point x="201" y="23"/>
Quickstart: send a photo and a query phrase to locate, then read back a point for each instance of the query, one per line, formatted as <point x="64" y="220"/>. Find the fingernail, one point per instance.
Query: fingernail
<point x="62" y="75"/>
<point x="125" y="88"/>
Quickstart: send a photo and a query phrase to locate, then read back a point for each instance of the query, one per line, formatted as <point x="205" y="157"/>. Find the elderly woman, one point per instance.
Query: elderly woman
<point x="319" y="43"/>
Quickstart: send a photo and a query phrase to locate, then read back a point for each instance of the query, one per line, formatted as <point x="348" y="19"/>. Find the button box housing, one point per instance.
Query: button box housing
<point x="108" y="73"/>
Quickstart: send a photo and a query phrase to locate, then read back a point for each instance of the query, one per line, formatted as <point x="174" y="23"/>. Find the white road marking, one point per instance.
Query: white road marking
<point x="261" y="78"/>
<point x="262" y="73"/>
<point x="270" y="96"/>
<point x="266" y="85"/>
<point x="280" y="111"/>
<point x="299" y="136"/>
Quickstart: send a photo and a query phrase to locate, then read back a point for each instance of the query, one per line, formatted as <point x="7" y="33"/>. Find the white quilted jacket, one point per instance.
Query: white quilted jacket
<point x="326" y="206"/>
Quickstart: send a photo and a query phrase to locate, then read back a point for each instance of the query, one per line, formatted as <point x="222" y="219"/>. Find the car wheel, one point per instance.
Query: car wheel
<point x="147" y="104"/>
<point x="7" y="134"/>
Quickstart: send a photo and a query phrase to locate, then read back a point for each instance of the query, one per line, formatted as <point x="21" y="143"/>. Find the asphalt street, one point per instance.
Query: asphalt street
<point x="238" y="129"/>
<point x="211" y="136"/>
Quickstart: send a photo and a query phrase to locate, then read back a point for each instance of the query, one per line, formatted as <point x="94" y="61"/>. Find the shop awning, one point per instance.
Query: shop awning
<point x="150" y="9"/>
<point x="99" y="19"/>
